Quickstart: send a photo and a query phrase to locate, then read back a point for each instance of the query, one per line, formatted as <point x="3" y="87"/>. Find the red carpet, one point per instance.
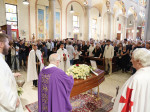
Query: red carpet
<point x="84" y="103"/>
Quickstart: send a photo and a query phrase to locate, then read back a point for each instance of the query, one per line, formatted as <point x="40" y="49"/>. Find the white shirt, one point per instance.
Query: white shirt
<point x="51" y="46"/>
<point x="13" y="51"/>
<point x="70" y="50"/>
<point x="109" y="52"/>
<point x="91" y="50"/>
<point x="48" y="45"/>
<point x="77" y="53"/>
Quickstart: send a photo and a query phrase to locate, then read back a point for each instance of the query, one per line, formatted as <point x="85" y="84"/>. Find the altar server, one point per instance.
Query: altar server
<point x="9" y="99"/>
<point x="64" y="58"/>
<point x="135" y="93"/>
<point x="35" y="64"/>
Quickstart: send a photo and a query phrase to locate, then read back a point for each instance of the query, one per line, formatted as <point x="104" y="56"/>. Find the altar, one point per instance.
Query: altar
<point x="92" y="81"/>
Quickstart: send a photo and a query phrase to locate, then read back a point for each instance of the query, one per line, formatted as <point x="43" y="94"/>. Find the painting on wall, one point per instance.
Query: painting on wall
<point x="41" y="23"/>
<point x="143" y="3"/>
<point x="119" y="27"/>
<point x="47" y="21"/>
<point x="58" y="25"/>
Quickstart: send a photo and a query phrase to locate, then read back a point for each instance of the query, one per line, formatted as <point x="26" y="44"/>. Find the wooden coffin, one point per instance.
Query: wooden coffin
<point x="92" y="81"/>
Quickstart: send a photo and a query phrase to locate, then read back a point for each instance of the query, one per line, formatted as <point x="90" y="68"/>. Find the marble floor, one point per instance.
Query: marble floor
<point x="108" y="87"/>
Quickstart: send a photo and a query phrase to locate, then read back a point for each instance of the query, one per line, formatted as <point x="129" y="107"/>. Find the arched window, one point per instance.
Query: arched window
<point x="75" y="24"/>
<point x="94" y="23"/>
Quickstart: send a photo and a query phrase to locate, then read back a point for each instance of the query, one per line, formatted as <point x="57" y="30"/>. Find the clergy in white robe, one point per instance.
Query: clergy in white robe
<point x="134" y="96"/>
<point x="64" y="58"/>
<point x="32" y="70"/>
<point x="9" y="99"/>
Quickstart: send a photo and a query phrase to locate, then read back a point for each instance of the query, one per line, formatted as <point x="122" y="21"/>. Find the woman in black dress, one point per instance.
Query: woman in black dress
<point x="124" y="54"/>
<point x="98" y="53"/>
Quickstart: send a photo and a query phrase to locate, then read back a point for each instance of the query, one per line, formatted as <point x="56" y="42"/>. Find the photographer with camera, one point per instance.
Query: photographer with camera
<point x="15" y="57"/>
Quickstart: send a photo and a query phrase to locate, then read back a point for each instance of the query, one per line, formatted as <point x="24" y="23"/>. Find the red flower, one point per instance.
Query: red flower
<point x="64" y="54"/>
<point x="77" y="64"/>
<point x="68" y="55"/>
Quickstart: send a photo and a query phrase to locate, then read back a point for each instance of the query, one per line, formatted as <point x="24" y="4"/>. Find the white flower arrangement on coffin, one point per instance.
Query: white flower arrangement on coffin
<point x="79" y="71"/>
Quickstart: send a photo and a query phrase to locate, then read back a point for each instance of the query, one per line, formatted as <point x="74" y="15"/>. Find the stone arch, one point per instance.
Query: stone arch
<point x="120" y="5"/>
<point x="73" y="1"/>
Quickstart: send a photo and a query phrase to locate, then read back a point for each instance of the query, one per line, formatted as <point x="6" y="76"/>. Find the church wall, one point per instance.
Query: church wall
<point x="79" y="12"/>
<point x="27" y="19"/>
<point x="120" y="26"/>
<point x="2" y="12"/>
<point x="94" y="14"/>
<point x="108" y="26"/>
<point x="23" y="23"/>
<point x="32" y="18"/>
<point x="104" y="10"/>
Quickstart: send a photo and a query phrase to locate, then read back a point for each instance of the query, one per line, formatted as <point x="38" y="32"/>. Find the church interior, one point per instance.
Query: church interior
<point x="84" y="20"/>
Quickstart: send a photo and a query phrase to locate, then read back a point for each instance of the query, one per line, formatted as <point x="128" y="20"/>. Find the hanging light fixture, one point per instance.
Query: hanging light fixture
<point x="25" y="2"/>
<point x="99" y="15"/>
<point x="108" y="5"/>
<point x="117" y="18"/>
<point x="71" y="10"/>
<point x="85" y="3"/>
<point x="130" y="23"/>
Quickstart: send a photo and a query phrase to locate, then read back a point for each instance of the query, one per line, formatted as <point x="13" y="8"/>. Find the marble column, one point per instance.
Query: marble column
<point x="109" y="27"/>
<point x="3" y="14"/>
<point x="135" y="30"/>
<point x="32" y="19"/>
<point x="114" y="28"/>
<point x="86" y="23"/>
<point x="147" y="24"/>
<point x="52" y="27"/>
<point x="125" y="27"/>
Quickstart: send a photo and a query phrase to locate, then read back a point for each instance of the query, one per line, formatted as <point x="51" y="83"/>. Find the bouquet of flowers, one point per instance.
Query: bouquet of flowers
<point x="20" y="91"/>
<point x="79" y="71"/>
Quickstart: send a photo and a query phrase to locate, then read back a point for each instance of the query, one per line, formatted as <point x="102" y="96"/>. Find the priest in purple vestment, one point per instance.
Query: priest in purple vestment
<point x="54" y="88"/>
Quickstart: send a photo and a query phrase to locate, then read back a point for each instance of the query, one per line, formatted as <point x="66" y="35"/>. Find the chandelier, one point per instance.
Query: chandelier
<point x="85" y="3"/>
<point x="25" y="2"/>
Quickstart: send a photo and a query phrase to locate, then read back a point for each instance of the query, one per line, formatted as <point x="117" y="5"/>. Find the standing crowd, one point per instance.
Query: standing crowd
<point x="76" y="50"/>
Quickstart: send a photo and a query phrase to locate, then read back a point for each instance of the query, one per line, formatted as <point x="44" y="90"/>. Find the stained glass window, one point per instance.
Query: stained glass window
<point x="11" y="15"/>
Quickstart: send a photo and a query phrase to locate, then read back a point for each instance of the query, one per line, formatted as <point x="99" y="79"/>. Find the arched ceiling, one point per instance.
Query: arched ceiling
<point x="132" y="11"/>
<point x="98" y="4"/>
<point x="60" y="2"/>
<point x="99" y="7"/>
<point x="119" y="5"/>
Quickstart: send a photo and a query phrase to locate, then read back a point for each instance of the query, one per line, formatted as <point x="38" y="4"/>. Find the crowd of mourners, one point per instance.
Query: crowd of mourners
<point x="19" y="51"/>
